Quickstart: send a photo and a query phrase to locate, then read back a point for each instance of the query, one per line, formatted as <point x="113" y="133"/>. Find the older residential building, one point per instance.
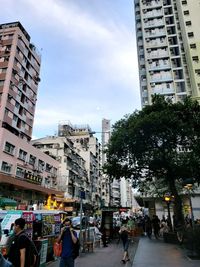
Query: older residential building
<point x="89" y="149"/>
<point x="72" y="174"/>
<point x="168" y="42"/>
<point x="26" y="174"/>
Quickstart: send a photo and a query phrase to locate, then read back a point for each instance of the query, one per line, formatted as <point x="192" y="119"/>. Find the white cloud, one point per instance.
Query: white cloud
<point x="112" y="59"/>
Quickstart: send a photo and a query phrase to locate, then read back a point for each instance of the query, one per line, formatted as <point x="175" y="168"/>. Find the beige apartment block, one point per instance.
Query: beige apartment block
<point x="168" y="43"/>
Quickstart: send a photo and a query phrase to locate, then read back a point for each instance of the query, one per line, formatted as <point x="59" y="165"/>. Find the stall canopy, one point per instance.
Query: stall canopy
<point x="4" y="201"/>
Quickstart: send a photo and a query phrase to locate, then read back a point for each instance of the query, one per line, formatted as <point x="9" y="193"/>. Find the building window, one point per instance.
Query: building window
<point x="188" y="23"/>
<point x="197" y="71"/>
<point x="41" y="165"/>
<point x="15" y="117"/>
<point x="6" y="167"/>
<point x="32" y="160"/>
<point x="1" y="82"/>
<point x="9" y="148"/>
<point x="48" y="167"/>
<point x="20" y="172"/>
<point x="184" y="2"/>
<point x="6" y="112"/>
<point x="195" y="59"/>
<point x="190" y="34"/>
<point x="193" y="46"/>
<point x="22" y="155"/>
<point x="3" y="70"/>
<point x="186" y="12"/>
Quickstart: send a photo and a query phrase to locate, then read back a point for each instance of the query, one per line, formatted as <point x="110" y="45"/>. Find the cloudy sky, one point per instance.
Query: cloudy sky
<point x="89" y="59"/>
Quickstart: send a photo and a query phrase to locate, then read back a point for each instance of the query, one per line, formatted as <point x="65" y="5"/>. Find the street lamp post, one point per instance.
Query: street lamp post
<point x="188" y="187"/>
<point x="168" y="199"/>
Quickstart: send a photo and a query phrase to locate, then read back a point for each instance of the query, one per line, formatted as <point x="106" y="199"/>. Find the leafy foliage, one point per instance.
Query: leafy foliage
<point x="159" y="145"/>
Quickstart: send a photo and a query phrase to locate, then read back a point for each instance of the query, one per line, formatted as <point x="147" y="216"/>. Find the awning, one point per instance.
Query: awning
<point x="4" y="201"/>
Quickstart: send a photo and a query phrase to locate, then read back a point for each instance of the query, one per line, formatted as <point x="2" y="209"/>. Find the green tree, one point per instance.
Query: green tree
<point x="158" y="147"/>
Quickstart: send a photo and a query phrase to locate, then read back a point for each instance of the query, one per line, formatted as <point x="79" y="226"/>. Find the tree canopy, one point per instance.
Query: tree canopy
<point x="159" y="145"/>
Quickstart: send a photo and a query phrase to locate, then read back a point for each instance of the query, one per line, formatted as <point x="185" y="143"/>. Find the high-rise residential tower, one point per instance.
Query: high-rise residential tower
<point x="27" y="175"/>
<point x="19" y="78"/>
<point x="168" y="43"/>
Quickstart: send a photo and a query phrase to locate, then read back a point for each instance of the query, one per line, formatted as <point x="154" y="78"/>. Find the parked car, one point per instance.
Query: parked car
<point x="76" y="222"/>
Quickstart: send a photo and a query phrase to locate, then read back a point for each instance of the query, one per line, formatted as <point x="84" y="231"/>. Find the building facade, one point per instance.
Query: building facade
<point x="72" y="174"/>
<point x="26" y="174"/>
<point x="19" y="78"/>
<point x="105" y="181"/>
<point x="168" y="43"/>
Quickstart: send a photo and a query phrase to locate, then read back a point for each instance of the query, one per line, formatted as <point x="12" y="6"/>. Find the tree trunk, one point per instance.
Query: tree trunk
<point x="178" y="219"/>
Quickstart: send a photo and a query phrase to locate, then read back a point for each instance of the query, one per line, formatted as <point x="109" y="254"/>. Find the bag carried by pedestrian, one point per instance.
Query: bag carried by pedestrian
<point x="57" y="249"/>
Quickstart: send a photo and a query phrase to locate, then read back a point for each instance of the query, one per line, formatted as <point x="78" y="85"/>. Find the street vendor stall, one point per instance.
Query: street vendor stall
<point x="7" y="225"/>
<point x="47" y="225"/>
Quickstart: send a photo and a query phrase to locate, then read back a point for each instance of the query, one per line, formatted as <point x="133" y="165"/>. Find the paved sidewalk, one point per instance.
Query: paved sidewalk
<point x="110" y="256"/>
<point x="156" y="253"/>
<point x="148" y="253"/>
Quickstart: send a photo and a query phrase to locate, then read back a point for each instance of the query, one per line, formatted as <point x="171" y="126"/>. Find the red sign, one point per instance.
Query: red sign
<point x="22" y="207"/>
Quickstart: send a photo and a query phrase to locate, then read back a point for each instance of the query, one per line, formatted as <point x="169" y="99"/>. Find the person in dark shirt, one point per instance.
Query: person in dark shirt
<point x="68" y="236"/>
<point x="19" y="253"/>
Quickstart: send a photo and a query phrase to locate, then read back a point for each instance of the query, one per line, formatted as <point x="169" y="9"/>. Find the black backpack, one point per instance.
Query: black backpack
<point x="32" y="254"/>
<point x="76" y="248"/>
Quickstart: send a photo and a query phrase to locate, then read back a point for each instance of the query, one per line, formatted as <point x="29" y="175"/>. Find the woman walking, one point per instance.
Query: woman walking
<point x="124" y="232"/>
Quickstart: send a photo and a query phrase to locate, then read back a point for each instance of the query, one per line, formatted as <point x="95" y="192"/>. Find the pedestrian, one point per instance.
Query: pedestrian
<point x="124" y="233"/>
<point x="21" y="252"/>
<point x="68" y="237"/>
<point x="104" y="237"/>
<point x="156" y="226"/>
<point x="148" y="226"/>
<point x="3" y="261"/>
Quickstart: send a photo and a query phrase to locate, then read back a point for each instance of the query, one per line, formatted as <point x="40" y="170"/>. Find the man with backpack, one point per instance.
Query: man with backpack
<point x="23" y="252"/>
<point x="69" y="240"/>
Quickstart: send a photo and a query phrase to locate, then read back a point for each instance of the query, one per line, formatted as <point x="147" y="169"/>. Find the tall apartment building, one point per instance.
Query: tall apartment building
<point x="105" y="182"/>
<point x="26" y="174"/>
<point x="168" y="43"/>
<point x="19" y="78"/>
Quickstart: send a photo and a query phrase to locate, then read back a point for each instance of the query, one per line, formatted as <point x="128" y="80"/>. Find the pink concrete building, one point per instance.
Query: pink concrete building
<point x="26" y="174"/>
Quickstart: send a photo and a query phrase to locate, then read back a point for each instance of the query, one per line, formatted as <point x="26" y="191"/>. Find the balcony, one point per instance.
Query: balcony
<point x="153" y="15"/>
<point x="160" y="67"/>
<point x="163" y="91"/>
<point x="158" y="55"/>
<point x="155" y="34"/>
<point x="152" y="5"/>
<point x="161" y="79"/>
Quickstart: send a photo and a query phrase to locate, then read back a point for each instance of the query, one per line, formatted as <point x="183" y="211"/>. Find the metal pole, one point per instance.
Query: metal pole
<point x="81" y="211"/>
<point x="191" y="208"/>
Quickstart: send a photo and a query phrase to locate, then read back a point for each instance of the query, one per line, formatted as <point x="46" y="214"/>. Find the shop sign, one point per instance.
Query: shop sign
<point x="31" y="178"/>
